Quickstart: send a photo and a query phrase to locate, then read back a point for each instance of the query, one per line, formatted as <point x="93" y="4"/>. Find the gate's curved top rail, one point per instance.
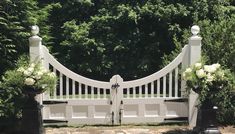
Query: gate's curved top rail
<point x="164" y="71"/>
<point x="65" y="71"/>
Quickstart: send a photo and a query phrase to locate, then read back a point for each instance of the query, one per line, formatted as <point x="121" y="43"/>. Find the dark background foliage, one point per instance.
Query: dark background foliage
<point x="101" y="38"/>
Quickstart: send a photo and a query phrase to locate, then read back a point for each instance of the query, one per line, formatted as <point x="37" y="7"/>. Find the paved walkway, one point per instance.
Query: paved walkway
<point x="130" y="130"/>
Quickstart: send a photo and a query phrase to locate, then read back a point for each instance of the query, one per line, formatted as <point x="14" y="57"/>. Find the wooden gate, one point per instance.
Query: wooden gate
<point x="156" y="98"/>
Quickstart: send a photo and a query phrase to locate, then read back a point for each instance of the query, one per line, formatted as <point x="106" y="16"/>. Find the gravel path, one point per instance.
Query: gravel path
<point x="130" y="130"/>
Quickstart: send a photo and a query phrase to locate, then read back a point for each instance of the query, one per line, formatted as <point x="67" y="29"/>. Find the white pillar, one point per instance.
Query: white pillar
<point x="35" y="54"/>
<point x="35" y="44"/>
<point x="194" y="56"/>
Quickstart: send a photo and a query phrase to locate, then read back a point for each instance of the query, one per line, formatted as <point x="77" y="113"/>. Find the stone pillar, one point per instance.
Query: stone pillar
<point x="194" y="56"/>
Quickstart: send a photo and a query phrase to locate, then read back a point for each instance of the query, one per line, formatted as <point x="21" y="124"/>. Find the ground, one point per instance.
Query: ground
<point x="127" y="129"/>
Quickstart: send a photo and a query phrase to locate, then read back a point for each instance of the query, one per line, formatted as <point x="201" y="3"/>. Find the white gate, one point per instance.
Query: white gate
<point x="78" y="100"/>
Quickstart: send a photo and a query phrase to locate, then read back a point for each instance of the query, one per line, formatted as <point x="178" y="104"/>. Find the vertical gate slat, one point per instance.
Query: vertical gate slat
<point x="140" y="91"/>
<point x="146" y="90"/>
<point x="164" y="86"/>
<point x="105" y="93"/>
<point x="134" y="92"/>
<point x="92" y="92"/>
<point x="170" y="84"/>
<point x="67" y="87"/>
<point x="152" y="89"/>
<point x="54" y="92"/>
<point x="158" y="88"/>
<point x="80" y="89"/>
<point x="73" y="88"/>
<point x="176" y="82"/>
<point x="86" y="91"/>
<point x="98" y="93"/>
<point x="128" y="92"/>
<point x="61" y="85"/>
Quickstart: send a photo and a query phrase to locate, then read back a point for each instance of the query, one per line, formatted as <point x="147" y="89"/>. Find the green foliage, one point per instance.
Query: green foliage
<point x="109" y="37"/>
<point x="219" y="41"/>
<point x="16" y="17"/>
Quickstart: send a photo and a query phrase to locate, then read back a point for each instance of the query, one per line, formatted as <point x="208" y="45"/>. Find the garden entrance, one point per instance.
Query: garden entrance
<point x="156" y="98"/>
<point x="79" y="100"/>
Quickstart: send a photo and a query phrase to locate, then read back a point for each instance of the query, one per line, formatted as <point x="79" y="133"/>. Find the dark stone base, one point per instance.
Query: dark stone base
<point x="32" y="118"/>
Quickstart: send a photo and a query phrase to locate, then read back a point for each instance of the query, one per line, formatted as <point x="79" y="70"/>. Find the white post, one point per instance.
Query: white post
<point x="116" y="97"/>
<point x="35" y="44"/>
<point x="194" y="56"/>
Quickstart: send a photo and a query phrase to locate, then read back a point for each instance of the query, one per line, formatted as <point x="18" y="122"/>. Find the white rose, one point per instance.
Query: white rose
<point x="29" y="81"/>
<point x="200" y="73"/>
<point x="198" y="65"/>
<point x="210" y="68"/>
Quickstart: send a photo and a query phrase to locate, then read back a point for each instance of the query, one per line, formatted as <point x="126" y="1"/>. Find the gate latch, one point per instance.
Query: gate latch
<point x="115" y="86"/>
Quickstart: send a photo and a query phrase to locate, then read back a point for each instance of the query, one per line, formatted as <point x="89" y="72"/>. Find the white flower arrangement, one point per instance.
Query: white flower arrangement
<point x="36" y="77"/>
<point x="29" y="76"/>
<point x="206" y="79"/>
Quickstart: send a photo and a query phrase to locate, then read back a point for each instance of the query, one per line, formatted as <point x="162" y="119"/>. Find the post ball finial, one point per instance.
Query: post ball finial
<point x="34" y="30"/>
<point x="195" y="30"/>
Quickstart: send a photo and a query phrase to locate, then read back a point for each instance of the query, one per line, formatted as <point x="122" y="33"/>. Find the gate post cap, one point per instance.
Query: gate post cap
<point x="195" y="29"/>
<point x="34" y="30"/>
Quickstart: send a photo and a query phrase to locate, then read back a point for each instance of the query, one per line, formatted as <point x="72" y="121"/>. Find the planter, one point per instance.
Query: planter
<point x="31" y="115"/>
<point x="206" y="120"/>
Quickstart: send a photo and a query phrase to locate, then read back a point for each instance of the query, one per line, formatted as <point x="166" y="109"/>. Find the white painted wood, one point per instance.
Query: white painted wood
<point x="67" y="87"/>
<point x="176" y="81"/>
<point x="61" y="85"/>
<point x="152" y="89"/>
<point x="105" y="94"/>
<point x="54" y="91"/>
<point x="73" y="89"/>
<point x="158" y="88"/>
<point x="128" y="92"/>
<point x="134" y="92"/>
<point x="194" y="56"/>
<point x="92" y="93"/>
<point x="80" y="90"/>
<point x="140" y="91"/>
<point x="86" y="91"/>
<point x="143" y="109"/>
<point x="170" y="84"/>
<point x="146" y="90"/>
<point x="164" y="86"/>
<point x="98" y="93"/>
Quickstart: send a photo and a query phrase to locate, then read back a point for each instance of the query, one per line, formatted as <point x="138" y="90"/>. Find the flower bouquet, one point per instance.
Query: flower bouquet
<point x="36" y="79"/>
<point x="29" y="77"/>
<point x="207" y="80"/>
